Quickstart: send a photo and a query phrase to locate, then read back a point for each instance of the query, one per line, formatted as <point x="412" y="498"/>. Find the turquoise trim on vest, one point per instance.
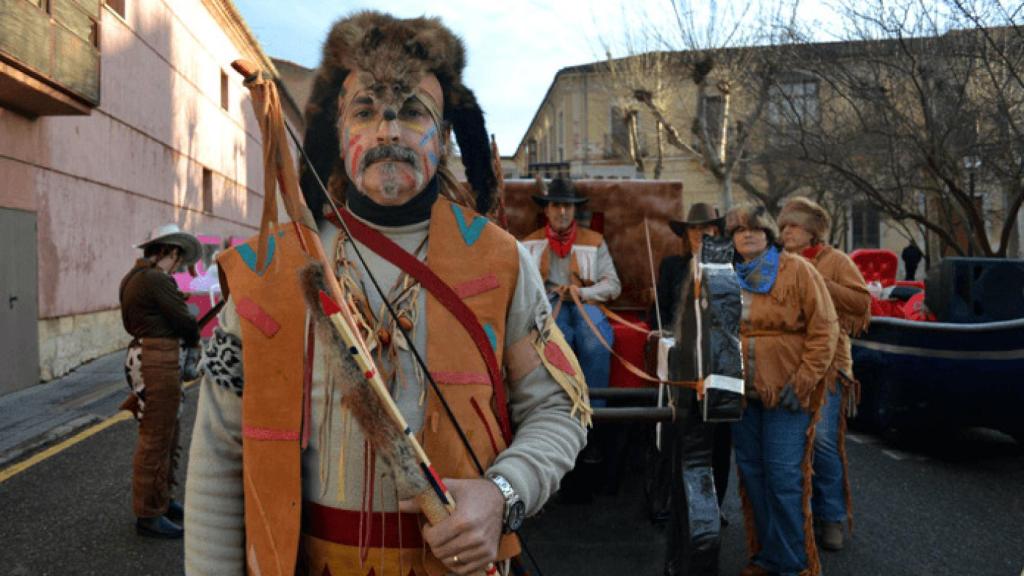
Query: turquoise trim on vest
<point x="471" y="232"/>
<point x="249" y="256"/>
<point x="489" y="330"/>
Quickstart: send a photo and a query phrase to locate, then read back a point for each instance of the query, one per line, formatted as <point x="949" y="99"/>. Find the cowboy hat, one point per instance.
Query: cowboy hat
<point x="559" y="190"/>
<point x="701" y="214"/>
<point x="173" y="235"/>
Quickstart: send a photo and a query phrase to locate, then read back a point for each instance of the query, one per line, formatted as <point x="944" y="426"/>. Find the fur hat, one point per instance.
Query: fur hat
<point x="397" y="53"/>
<point x="750" y="216"/>
<point x="808" y="215"/>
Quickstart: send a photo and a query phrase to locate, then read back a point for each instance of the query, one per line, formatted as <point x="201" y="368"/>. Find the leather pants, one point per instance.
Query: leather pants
<point x="156" y="451"/>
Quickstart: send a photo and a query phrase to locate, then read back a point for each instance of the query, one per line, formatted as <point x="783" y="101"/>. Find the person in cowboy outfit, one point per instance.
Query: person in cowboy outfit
<point x="154" y="312"/>
<point x="317" y="500"/>
<point x="805" y="228"/>
<point x="575" y="261"/>
<point x="788" y="332"/>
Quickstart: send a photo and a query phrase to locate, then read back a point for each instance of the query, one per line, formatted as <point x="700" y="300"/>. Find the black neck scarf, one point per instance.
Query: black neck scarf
<point x="412" y="212"/>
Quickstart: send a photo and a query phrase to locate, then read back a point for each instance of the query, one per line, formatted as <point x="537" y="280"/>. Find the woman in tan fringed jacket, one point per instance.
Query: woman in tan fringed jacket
<point x="805" y="228"/>
<point x="789" y="334"/>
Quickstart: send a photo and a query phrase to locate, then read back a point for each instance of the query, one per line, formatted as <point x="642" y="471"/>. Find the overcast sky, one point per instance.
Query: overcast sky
<point x="514" y="48"/>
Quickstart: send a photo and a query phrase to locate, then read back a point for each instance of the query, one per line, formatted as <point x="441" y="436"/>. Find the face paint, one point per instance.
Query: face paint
<point x="391" y="144"/>
<point x="426" y="137"/>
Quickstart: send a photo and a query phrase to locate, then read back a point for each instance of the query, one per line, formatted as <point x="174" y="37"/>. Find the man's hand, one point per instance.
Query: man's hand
<point x="190" y="370"/>
<point x="467" y="541"/>
<point x="566" y="292"/>
<point x="573" y="290"/>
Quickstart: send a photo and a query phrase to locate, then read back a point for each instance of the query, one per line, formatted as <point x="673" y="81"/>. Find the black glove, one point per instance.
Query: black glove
<point x="191" y="369"/>
<point x="788" y="399"/>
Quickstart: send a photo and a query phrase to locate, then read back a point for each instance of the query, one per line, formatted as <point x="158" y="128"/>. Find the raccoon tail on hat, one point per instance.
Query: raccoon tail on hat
<point x="467" y="121"/>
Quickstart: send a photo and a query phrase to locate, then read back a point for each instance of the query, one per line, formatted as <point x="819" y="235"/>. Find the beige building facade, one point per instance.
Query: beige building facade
<point x="579" y="131"/>
<point x="166" y="135"/>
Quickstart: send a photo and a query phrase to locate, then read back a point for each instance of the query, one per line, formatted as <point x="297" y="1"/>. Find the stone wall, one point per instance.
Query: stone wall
<point x="69" y="341"/>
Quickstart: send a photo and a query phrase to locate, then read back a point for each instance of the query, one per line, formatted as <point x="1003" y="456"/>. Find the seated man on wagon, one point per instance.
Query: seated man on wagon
<point x="574" y="261"/>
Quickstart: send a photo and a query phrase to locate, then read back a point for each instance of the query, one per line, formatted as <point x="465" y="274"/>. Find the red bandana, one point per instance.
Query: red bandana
<point x="561" y="244"/>
<point x="812" y="251"/>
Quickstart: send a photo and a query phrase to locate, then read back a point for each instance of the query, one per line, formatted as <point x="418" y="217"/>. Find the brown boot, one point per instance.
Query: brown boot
<point x="832" y="536"/>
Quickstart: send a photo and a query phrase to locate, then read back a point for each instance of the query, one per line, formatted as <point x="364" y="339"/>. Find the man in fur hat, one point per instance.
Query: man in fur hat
<point x="805" y="229"/>
<point x="291" y="484"/>
<point x="575" y="261"/>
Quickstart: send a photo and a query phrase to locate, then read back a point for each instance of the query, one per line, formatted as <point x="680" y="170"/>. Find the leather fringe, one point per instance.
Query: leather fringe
<point x="807" y="467"/>
<point x="847" y="492"/>
<point x="855" y="325"/>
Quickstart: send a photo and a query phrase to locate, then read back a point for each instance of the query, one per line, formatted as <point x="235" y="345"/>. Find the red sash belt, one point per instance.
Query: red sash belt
<point x="379" y="529"/>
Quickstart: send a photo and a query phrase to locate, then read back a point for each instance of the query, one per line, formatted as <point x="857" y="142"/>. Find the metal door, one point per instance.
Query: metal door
<point x="19" y="307"/>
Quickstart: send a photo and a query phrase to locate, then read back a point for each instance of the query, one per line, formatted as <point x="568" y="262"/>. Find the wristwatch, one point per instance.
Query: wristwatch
<point x="515" y="510"/>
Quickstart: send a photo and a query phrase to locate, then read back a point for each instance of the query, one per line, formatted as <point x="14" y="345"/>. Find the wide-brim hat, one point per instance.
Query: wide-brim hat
<point x="559" y="190"/>
<point x="173" y="235"/>
<point x="700" y="214"/>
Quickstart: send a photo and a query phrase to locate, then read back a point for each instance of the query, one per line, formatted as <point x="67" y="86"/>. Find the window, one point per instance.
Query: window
<point x="223" y="90"/>
<point x="620" y="133"/>
<point x="531" y="152"/>
<point x="118" y="6"/>
<point x="793" y="104"/>
<point x="207" y="191"/>
<point x="864" y="225"/>
<point x="561" y="136"/>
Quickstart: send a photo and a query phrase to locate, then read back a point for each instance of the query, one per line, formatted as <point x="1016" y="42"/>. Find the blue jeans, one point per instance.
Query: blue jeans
<point x="594" y="359"/>
<point x="769" y="447"/>
<point x="829" y="501"/>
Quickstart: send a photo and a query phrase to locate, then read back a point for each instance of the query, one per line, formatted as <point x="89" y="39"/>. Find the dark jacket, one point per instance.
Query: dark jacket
<point x="153" y="307"/>
<point x="672" y="271"/>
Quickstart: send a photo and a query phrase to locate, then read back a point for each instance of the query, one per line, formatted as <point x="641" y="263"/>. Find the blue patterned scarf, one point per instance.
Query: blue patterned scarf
<point x="758" y="275"/>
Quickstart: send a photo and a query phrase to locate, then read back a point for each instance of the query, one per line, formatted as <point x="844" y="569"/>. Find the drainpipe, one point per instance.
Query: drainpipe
<point x="586" y="121"/>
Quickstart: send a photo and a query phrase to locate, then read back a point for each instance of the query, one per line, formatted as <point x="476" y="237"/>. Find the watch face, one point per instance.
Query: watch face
<point x="515" y="516"/>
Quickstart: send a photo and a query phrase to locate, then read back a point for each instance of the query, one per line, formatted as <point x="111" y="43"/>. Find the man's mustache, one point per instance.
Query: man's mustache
<point x="390" y="152"/>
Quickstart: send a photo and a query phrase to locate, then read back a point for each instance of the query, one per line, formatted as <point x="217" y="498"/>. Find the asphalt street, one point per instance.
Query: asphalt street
<point x="936" y="506"/>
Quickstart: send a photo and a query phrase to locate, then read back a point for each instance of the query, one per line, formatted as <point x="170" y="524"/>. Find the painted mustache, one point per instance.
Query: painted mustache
<point x="390" y="152"/>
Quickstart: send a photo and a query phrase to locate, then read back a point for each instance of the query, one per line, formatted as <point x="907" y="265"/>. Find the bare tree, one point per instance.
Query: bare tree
<point x="922" y="114"/>
<point x="707" y="85"/>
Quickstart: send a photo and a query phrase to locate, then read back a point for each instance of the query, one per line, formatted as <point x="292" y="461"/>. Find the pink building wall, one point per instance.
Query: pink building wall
<point x="99" y="183"/>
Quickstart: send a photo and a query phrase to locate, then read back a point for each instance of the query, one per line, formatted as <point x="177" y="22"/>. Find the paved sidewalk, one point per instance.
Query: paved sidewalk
<point x="32" y="418"/>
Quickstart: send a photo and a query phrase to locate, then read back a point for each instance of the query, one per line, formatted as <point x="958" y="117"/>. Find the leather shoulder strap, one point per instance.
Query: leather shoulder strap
<point x="393" y="253"/>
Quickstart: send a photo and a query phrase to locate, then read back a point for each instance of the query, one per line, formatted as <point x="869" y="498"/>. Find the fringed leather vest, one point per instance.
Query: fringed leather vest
<point x="475" y="258"/>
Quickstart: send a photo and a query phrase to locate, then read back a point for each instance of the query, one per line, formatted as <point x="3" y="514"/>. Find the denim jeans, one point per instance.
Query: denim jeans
<point x="594" y="359"/>
<point x="829" y="502"/>
<point x="769" y="447"/>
